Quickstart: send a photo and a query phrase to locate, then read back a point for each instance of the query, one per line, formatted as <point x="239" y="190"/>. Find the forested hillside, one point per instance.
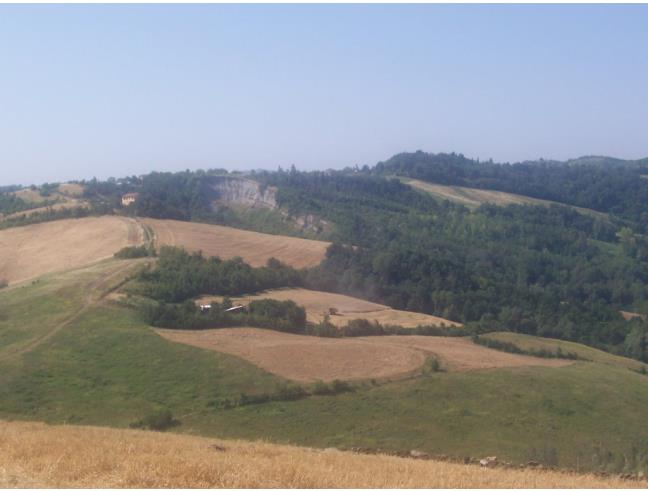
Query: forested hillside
<point x="603" y="184"/>
<point x="545" y="271"/>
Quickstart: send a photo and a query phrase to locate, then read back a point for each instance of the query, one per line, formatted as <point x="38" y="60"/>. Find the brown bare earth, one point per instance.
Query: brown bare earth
<point x="31" y="251"/>
<point x="629" y="315"/>
<point x="306" y="358"/>
<point x="474" y="197"/>
<point x="35" y="455"/>
<point x="317" y="305"/>
<point x="255" y="248"/>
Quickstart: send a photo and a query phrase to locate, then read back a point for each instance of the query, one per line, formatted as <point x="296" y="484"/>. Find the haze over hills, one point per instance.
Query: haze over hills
<point x="513" y="325"/>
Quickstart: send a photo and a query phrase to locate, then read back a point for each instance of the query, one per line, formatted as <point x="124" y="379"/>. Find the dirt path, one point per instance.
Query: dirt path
<point x="96" y="291"/>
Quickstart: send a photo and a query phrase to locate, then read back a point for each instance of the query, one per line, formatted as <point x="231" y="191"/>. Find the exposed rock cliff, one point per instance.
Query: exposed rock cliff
<point x="237" y="190"/>
<point x="243" y="191"/>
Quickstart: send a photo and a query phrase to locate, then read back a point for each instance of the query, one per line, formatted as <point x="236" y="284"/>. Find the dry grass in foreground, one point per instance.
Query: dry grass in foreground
<point x="254" y="247"/>
<point x="37" y="456"/>
<point x="307" y="358"/>
<point x="318" y="304"/>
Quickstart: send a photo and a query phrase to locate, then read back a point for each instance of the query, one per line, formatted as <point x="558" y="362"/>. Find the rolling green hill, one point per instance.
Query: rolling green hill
<point x="102" y="365"/>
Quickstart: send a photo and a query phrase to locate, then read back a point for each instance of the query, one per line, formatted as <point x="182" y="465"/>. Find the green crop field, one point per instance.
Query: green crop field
<point x="105" y="366"/>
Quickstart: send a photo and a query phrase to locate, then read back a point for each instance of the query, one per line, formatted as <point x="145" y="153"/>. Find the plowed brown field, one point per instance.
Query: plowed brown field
<point x="306" y="358"/>
<point x="34" y="250"/>
<point x="317" y="305"/>
<point x="226" y="242"/>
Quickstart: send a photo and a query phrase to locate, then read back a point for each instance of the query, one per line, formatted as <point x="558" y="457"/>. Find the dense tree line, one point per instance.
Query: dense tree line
<point x="267" y="313"/>
<point x="615" y="189"/>
<point x="180" y="275"/>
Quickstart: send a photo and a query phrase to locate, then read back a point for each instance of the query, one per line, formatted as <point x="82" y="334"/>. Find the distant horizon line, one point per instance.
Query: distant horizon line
<point x="641" y="160"/>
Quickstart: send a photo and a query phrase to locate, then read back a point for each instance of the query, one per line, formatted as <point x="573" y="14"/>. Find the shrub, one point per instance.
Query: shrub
<point x="338" y="387"/>
<point x="431" y="365"/>
<point x="159" y="420"/>
<point x="320" y="388"/>
<point x="131" y="252"/>
<point x="3" y="283"/>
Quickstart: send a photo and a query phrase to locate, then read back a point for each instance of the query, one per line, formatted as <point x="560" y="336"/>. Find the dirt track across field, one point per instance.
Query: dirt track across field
<point x="226" y="242"/>
<point x="306" y="359"/>
<point x="34" y="250"/>
<point x="318" y="304"/>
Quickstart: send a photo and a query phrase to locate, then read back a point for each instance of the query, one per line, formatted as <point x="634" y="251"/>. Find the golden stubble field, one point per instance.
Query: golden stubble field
<point x="35" y="455"/>
<point x="306" y="358"/>
<point x="226" y="242"/>
<point x="31" y="251"/>
<point x="317" y="305"/>
<point x="474" y="197"/>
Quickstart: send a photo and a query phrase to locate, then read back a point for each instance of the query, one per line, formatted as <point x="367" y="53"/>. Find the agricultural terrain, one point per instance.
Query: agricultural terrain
<point x="65" y="196"/>
<point x="474" y="197"/>
<point x="34" y="455"/>
<point x="308" y="359"/>
<point x="72" y="357"/>
<point x="31" y="251"/>
<point x="345" y="308"/>
<point x="255" y="248"/>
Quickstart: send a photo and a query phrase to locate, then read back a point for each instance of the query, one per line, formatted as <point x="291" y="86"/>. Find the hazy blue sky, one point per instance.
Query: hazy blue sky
<point x="117" y="90"/>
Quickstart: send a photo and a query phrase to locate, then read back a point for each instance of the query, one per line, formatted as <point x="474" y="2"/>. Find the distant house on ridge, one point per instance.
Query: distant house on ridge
<point x="129" y="198"/>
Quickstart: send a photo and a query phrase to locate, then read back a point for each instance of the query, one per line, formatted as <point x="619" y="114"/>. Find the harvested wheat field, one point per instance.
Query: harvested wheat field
<point x="461" y="354"/>
<point x="35" y="455"/>
<point x="474" y="197"/>
<point x="307" y="358"/>
<point x="31" y="251"/>
<point x="226" y="242"/>
<point x="318" y="304"/>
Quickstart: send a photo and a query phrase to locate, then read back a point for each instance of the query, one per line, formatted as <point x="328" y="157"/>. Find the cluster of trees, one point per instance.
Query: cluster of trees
<point x="514" y="349"/>
<point x="131" y="252"/>
<point x="10" y="203"/>
<point x="286" y="392"/>
<point x="180" y="275"/>
<point x="268" y="313"/>
<point x="363" y="327"/>
<point x="615" y="188"/>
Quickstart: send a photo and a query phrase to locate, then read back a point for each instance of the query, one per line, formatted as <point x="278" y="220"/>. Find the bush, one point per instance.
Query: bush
<point x="131" y="252"/>
<point x="160" y="420"/>
<point x="3" y="283"/>
<point x="431" y="365"/>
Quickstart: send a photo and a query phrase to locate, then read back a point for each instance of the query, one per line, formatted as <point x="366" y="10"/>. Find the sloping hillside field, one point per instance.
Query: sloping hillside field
<point x="306" y="358"/>
<point x="254" y="247"/>
<point x="346" y="308"/>
<point x="474" y="197"/>
<point x="34" y="250"/>
<point x="35" y="455"/>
